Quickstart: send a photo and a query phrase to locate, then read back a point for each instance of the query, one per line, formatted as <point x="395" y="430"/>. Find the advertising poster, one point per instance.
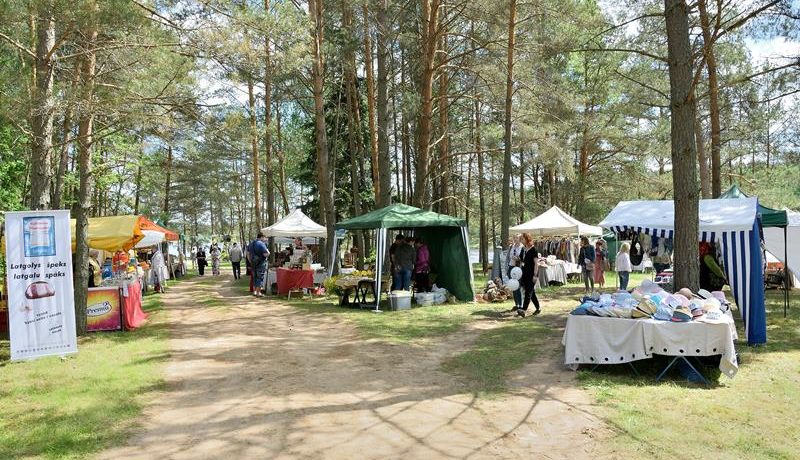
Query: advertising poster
<point x="41" y="306"/>
<point x="103" y="312"/>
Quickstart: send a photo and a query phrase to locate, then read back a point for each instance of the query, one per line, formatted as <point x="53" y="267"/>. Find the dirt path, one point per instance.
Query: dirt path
<point x="257" y="379"/>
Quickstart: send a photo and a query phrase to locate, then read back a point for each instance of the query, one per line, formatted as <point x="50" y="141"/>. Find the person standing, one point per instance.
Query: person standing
<point x="623" y="265"/>
<point x="404" y="258"/>
<point x="95" y="272"/>
<point x="586" y="261"/>
<point x="398" y="240"/>
<point x="259" y="254"/>
<point x="201" y="261"/>
<point x="516" y="252"/>
<point x="215" y="259"/>
<point x="158" y="268"/>
<point x="600" y="258"/>
<point x="530" y="270"/>
<point x="235" y="255"/>
<point x="422" y="267"/>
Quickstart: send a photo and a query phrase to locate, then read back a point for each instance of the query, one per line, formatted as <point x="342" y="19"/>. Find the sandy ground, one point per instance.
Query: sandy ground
<point x="257" y="379"/>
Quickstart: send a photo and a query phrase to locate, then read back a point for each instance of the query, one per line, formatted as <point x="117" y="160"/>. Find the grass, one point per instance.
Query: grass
<point x="74" y="407"/>
<point x="751" y="416"/>
<point x="417" y="325"/>
<point x="496" y="353"/>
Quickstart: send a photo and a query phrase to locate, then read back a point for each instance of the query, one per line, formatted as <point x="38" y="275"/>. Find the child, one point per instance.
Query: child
<point x="623" y="265"/>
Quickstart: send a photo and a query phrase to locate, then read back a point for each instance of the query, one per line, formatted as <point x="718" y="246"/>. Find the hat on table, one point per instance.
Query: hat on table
<point x="681" y="315"/>
<point x="704" y="294"/>
<point x="686" y="292"/>
<point x="663" y="313"/>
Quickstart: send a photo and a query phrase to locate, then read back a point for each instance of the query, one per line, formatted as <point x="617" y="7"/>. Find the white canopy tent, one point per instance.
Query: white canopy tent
<point x="774" y="241"/>
<point x="556" y="222"/>
<point x="296" y="224"/>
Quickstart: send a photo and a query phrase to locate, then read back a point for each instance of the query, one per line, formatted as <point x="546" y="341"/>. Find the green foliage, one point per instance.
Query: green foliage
<point x="12" y="167"/>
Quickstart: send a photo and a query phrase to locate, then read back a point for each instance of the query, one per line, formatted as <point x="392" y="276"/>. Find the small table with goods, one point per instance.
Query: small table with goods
<point x="114" y="307"/>
<point x="289" y="279"/>
<point x="600" y="340"/>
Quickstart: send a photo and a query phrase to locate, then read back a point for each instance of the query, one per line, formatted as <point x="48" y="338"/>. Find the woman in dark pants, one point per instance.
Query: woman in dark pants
<point x="586" y="262"/>
<point x="529" y="271"/>
<point x="201" y="261"/>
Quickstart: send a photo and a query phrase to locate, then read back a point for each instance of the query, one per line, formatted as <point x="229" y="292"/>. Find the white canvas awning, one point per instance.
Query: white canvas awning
<point x="296" y="224"/>
<point x="774" y="241"/>
<point x="556" y="222"/>
<point x="151" y="238"/>
<point x="715" y="215"/>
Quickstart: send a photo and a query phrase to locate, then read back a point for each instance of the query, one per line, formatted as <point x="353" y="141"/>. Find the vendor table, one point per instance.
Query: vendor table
<point x="551" y="273"/>
<point x="600" y="340"/>
<point x="131" y="302"/>
<point x="289" y="279"/>
<point x="115" y="307"/>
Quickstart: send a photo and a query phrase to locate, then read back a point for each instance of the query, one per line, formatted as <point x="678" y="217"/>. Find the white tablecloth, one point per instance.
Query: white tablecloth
<point x="548" y="273"/>
<point x="599" y="340"/>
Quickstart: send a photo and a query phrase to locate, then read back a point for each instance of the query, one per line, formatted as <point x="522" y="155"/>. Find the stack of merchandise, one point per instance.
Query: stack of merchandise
<point x="651" y="301"/>
<point x="495" y="291"/>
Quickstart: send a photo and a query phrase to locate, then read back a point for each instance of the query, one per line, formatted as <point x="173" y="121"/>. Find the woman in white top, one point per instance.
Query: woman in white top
<point x="623" y="265"/>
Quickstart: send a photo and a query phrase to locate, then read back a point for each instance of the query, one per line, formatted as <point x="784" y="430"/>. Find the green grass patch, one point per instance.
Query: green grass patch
<point x="407" y="326"/>
<point x="72" y="408"/>
<point x="751" y="416"/>
<point x="496" y="353"/>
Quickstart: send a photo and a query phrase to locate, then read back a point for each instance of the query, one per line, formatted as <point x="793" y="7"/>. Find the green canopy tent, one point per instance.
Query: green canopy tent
<point x="446" y="236"/>
<point x="770" y="218"/>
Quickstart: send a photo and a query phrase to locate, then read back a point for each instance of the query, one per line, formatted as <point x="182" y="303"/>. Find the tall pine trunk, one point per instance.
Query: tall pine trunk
<point x="713" y="99"/>
<point x="684" y="155"/>
<point x="254" y="151"/>
<point x="167" y="185"/>
<point x="42" y="113"/>
<point x="429" y="39"/>
<point x="85" y="140"/>
<point x="373" y="129"/>
<point x="702" y="157"/>
<point x="382" y="105"/>
<point x="505" y="206"/>
<point x="268" y="172"/>
<point x="315" y="10"/>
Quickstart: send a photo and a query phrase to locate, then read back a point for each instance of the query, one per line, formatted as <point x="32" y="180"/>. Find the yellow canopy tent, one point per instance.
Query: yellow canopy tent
<point x="113" y="233"/>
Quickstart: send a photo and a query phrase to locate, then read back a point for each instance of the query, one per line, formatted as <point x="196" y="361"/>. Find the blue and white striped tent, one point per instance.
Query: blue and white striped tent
<point x="734" y="225"/>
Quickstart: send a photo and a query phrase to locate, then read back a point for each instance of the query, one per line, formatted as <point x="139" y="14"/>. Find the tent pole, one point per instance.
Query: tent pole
<point x="380" y="246"/>
<point x="785" y="271"/>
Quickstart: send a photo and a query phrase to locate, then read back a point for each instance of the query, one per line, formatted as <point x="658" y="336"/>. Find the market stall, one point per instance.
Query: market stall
<point x="556" y="233"/>
<point x="117" y="302"/>
<point x="447" y="239"/>
<point x="732" y="224"/>
<point x="298" y="272"/>
<point x="775" y="224"/>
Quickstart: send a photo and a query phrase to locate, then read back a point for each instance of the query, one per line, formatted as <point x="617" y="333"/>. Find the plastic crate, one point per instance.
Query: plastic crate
<point x="399" y="301"/>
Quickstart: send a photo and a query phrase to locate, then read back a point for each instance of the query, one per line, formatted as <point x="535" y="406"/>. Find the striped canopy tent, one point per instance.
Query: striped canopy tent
<point x="732" y="224"/>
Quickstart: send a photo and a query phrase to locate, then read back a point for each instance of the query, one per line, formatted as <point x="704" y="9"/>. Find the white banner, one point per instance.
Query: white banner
<point x="41" y="305"/>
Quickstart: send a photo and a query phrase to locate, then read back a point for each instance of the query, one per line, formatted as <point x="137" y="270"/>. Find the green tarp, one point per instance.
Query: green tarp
<point x="769" y="217"/>
<point x="442" y="234"/>
<point x="400" y="216"/>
